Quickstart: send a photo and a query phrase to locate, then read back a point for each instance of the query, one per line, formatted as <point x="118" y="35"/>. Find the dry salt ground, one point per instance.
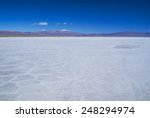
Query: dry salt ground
<point x="75" y="68"/>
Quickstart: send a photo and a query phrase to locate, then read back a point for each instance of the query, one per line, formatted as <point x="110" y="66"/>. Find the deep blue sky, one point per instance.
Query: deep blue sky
<point x="89" y="16"/>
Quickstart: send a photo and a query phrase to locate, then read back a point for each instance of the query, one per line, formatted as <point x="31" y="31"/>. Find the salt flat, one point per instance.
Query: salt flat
<point x="75" y="68"/>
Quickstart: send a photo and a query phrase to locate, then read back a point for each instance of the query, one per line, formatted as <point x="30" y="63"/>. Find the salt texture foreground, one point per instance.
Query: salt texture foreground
<point x="75" y="68"/>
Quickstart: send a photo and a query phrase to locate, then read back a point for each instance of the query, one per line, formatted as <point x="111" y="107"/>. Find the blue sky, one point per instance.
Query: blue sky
<point x="89" y="16"/>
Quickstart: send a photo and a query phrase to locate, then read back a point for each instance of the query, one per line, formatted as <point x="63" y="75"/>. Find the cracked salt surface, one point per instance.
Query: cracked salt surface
<point x="75" y="68"/>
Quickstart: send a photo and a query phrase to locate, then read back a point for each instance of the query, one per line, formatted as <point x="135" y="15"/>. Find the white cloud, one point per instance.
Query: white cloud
<point x="41" y="24"/>
<point x="63" y="24"/>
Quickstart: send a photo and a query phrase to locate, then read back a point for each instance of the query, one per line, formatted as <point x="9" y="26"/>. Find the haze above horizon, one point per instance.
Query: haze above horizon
<point x="87" y="16"/>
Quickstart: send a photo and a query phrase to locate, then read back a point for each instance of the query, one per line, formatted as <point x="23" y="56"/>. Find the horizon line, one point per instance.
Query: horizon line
<point x="125" y="31"/>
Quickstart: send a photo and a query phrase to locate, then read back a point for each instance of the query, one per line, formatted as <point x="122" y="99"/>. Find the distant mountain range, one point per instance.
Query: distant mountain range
<point x="66" y="33"/>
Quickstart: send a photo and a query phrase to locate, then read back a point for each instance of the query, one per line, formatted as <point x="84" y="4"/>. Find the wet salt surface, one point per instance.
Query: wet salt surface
<point x="75" y="68"/>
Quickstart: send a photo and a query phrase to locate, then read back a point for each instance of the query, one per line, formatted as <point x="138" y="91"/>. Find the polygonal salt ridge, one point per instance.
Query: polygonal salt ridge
<point x="10" y="63"/>
<point x="24" y="77"/>
<point x="127" y="46"/>
<point x="12" y="71"/>
<point x="25" y="83"/>
<point x="8" y="96"/>
<point x="6" y="78"/>
<point x="4" y="66"/>
<point x="8" y="87"/>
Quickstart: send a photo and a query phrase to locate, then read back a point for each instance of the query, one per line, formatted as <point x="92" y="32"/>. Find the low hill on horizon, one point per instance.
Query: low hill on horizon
<point x="61" y="33"/>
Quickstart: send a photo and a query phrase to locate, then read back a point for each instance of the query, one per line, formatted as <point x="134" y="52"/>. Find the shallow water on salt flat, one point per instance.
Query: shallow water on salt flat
<point x="75" y="68"/>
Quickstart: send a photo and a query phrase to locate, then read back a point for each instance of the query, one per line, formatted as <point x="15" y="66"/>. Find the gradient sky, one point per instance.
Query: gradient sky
<point x="89" y="16"/>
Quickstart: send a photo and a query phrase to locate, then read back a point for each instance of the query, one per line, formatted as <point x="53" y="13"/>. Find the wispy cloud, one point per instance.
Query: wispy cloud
<point x="63" y="24"/>
<point x="41" y="24"/>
